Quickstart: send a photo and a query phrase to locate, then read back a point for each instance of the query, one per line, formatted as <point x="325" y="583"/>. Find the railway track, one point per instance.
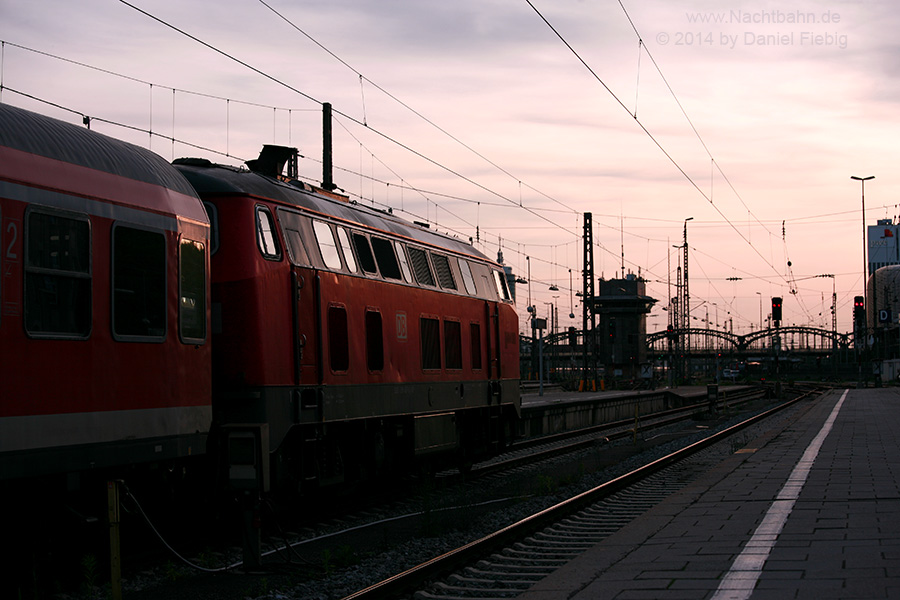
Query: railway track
<point x="414" y="507"/>
<point x="504" y="563"/>
<point x="528" y="451"/>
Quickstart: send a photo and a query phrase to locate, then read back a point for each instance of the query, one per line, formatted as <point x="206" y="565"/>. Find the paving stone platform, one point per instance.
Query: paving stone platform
<point x="810" y="510"/>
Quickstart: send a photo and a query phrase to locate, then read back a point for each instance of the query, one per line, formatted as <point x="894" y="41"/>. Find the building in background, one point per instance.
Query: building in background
<point x="622" y="305"/>
<point x="883" y="250"/>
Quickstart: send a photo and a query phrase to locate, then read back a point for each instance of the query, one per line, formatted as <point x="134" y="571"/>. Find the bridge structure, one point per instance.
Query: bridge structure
<point x="700" y="351"/>
<point x="810" y="341"/>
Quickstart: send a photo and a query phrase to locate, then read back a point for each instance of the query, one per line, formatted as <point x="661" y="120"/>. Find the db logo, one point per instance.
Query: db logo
<point x="402" y="329"/>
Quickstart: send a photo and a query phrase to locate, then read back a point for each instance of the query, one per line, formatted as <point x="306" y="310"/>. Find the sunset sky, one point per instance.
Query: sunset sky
<point x="505" y="121"/>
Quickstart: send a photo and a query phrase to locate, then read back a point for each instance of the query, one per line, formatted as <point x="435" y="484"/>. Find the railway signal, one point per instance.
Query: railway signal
<point x="776" y="309"/>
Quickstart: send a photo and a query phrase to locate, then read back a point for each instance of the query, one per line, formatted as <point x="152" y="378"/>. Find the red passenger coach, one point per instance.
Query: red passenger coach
<point x="104" y="323"/>
<point x="346" y="341"/>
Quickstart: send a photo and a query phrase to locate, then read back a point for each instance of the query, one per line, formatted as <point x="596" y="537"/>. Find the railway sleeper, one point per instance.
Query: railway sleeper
<point x="500" y="575"/>
<point x="558" y="542"/>
<point x="535" y="551"/>
<point x="553" y="533"/>
<point x="515" y="568"/>
<point x="478" y="592"/>
<point x="510" y="582"/>
<point x="430" y="596"/>
<point x="529" y="562"/>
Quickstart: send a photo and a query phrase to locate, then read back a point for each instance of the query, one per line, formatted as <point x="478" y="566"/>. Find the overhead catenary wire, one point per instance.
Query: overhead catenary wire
<point x="647" y="131"/>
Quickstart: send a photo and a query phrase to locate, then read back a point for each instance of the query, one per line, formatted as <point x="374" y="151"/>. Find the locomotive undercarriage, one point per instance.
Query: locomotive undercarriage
<point x="315" y="441"/>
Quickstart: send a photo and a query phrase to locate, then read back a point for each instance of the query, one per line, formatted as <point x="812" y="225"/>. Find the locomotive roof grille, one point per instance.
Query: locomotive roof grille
<point x="218" y="180"/>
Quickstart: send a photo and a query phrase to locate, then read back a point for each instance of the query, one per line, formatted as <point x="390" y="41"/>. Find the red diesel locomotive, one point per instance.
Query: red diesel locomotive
<point x="309" y="340"/>
<point x="347" y="341"/>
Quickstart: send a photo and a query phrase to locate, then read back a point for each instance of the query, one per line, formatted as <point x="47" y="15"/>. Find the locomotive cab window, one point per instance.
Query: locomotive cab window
<point x="57" y="275"/>
<point x="139" y="284"/>
<point x="266" y="238"/>
<point x="327" y="246"/>
<point x="500" y="281"/>
<point x="192" y="292"/>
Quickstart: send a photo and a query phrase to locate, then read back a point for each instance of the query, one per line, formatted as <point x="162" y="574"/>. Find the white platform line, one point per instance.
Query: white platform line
<point x="741" y="579"/>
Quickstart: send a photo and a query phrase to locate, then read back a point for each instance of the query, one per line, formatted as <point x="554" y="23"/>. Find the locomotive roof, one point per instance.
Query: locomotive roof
<point x="44" y="136"/>
<point x="211" y="179"/>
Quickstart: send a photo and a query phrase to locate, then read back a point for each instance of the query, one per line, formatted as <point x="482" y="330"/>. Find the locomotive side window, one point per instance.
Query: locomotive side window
<point x="420" y="266"/>
<point x="374" y="341"/>
<point x="475" y="331"/>
<point x="338" y="338"/>
<point x="442" y="268"/>
<point x="327" y="246"/>
<point x="139" y="283"/>
<point x="348" y="251"/>
<point x="452" y="345"/>
<point x="192" y="292"/>
<point x="364" y="251"/>
<point x="430" y="333"/>
<point x="57" y="275"/>
<point x="265" y="234"/>
<point x="387" y="260"/>
<point x="404" y="263"/>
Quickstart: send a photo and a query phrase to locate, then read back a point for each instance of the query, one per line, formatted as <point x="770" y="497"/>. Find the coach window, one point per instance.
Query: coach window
<point x="452" y="345"/>
<point x="192" y="292"/>
<point x="213" y="215"/>
<point x="430" y="333"/>
<point x="327" y="246"/>
<point x="344" y="241"/>
<point x="404" y="263"/>
<point x="475" y="331"/>
<point x="138" y="283"/>
<point x="468" y="280"/>
<point x="57" y="275"/>
<point x="442" y="268"/>
<point x="420" y="266"/>
<point x="338" y="338"/>
<point x="265" y="234"/>
<point x="387" y="260"/>
<point x="364" y="252"/>
<point x="374" y="341"/>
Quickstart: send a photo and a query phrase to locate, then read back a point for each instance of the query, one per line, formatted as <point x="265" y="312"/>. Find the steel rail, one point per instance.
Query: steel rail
<point x="447" y="563"/>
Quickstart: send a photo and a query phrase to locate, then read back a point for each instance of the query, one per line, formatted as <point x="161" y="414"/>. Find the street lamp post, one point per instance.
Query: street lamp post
<point x="862" y="181"/>
<point x="760" y="310"/>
